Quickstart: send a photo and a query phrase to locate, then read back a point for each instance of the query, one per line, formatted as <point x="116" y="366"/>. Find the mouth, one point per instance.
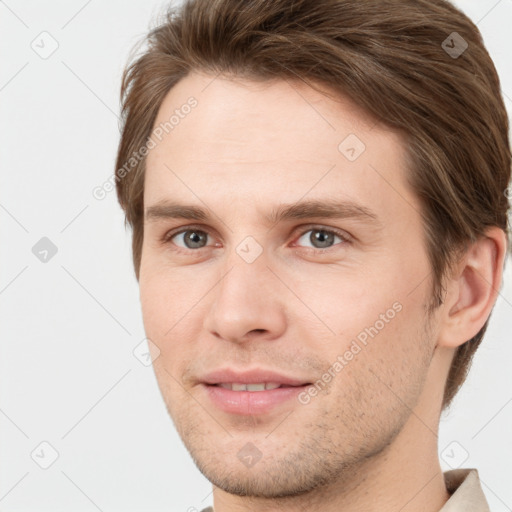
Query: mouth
<point x="239" y="399"/>
<point x="257" y="387"/>
<point x="251" y="391"/>
<point x="257" y="379"/>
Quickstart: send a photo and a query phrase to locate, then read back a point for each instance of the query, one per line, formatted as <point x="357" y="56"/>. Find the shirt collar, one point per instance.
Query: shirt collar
<point x="466" y="492"/>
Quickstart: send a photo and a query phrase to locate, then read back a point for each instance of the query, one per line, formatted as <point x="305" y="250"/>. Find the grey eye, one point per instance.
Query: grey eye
<point x="320" y="238"/>
<point x="192" y="239"/>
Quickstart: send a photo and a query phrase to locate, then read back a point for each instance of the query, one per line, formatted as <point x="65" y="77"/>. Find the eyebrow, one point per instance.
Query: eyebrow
<point x="167" y="209"/>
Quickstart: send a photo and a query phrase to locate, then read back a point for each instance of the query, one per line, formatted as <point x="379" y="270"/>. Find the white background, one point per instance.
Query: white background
<point x="69" y="326"/>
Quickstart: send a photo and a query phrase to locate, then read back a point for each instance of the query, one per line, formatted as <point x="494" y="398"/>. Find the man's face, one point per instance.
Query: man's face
<point x="237" y="291"/>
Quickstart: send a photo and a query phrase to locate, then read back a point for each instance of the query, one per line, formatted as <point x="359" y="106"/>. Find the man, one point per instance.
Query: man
<point x="317" y="196"/>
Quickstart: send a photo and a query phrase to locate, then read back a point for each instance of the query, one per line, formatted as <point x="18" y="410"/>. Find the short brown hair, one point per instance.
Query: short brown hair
<point x="392" y="58"/>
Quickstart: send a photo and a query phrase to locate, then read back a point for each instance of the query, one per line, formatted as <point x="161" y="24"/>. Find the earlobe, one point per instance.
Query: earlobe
<point x="473" y="289"/>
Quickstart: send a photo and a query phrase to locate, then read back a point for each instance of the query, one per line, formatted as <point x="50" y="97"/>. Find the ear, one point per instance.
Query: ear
<point x="472" y="290"/>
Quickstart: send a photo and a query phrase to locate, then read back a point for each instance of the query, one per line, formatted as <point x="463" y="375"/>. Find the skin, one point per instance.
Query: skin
<point x="369" y="441"/>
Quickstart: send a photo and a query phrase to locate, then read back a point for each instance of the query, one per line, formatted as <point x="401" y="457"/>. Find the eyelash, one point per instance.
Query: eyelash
<point x="345" y="238"/>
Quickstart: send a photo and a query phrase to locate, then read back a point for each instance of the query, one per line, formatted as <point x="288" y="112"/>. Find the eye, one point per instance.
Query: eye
<point x="322" y="238"/>
<point x="192" y="238"/>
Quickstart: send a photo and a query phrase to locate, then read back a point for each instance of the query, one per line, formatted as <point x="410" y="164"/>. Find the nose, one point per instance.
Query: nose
<point x="248" y="304"/>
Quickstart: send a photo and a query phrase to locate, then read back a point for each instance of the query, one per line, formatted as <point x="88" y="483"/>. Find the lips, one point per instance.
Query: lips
<point x="242" y="380"/>
<point x="247" y="402"/>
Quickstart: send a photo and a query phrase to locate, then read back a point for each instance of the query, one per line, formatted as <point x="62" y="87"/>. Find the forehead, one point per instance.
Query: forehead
<point x="263" y="138"/>
<point x="246" y="113"/>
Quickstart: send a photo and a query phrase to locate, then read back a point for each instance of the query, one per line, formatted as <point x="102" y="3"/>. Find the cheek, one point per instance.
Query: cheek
<point x="384" y="355"/>
<point x="171" y="309"/>
<point x="161" y="290"/>
<point x="345" y="300"/>
<point x="153" y="304"/>
<point x="378" y="312"/>
<point x="166" y="323"/>
<point x="160" y="301"/>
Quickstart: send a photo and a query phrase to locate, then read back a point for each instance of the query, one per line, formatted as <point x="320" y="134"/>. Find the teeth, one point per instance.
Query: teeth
<point x="249" y="387"/>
